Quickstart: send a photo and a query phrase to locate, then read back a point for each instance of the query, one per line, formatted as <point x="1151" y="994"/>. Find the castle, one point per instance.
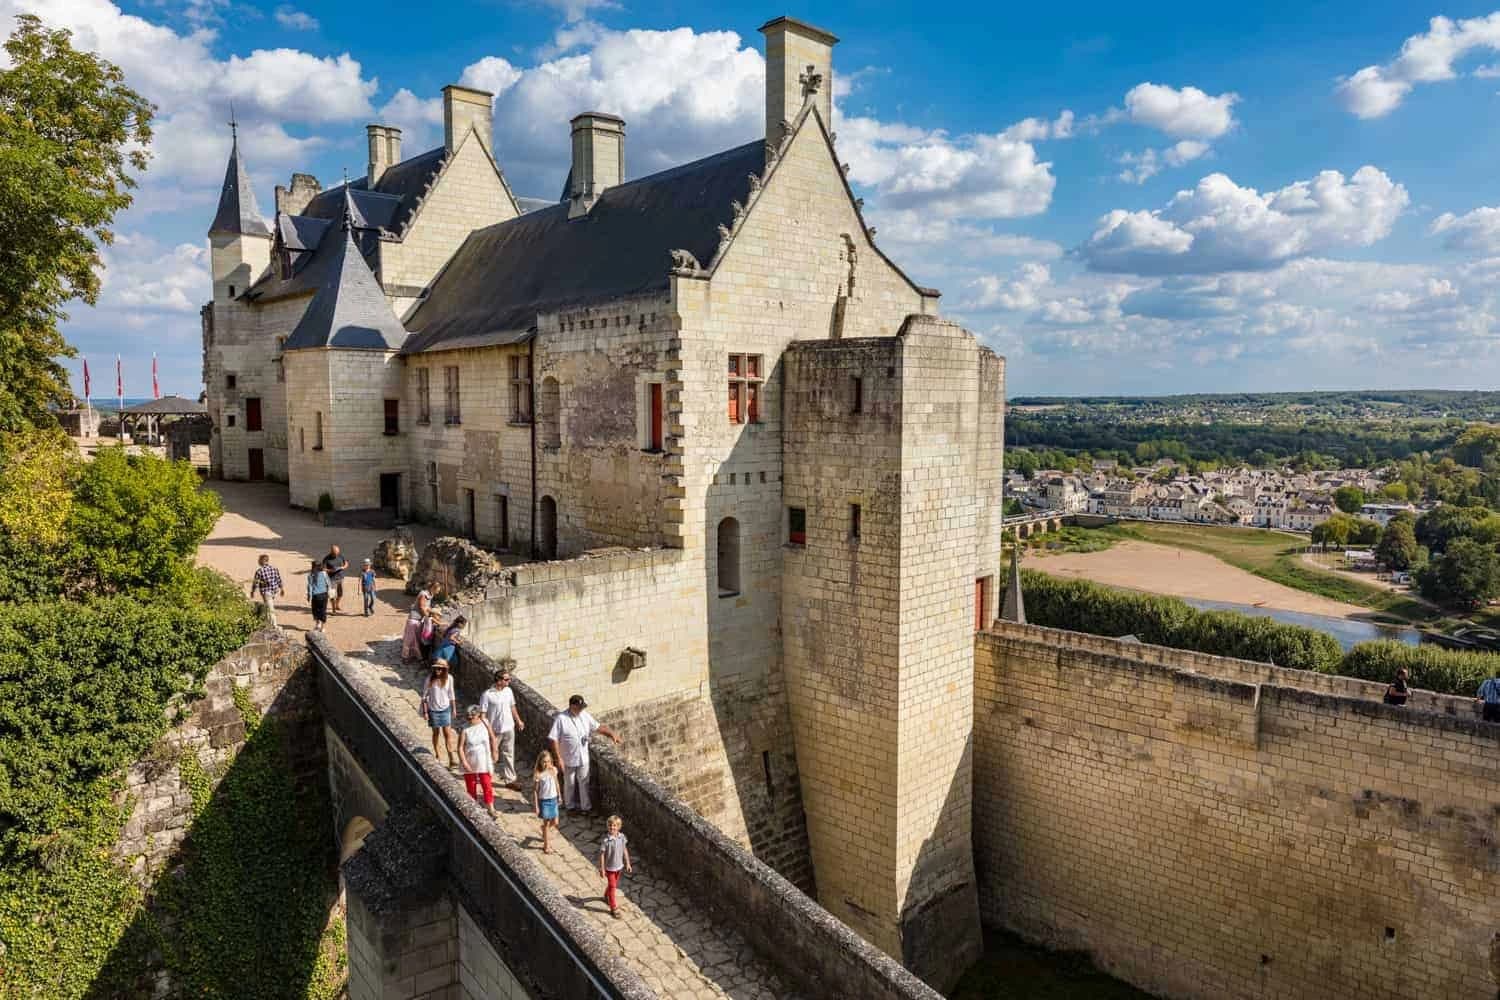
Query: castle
<point x="713" y="370"/>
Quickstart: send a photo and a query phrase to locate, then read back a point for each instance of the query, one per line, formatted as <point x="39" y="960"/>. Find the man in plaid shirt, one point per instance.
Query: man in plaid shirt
<point x="267" y="583"/>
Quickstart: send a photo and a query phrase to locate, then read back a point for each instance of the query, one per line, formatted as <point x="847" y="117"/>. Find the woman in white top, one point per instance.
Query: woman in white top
<point x="410" y="647"/>
<point x="437" y="707"/>
<point x="475" y="745"/>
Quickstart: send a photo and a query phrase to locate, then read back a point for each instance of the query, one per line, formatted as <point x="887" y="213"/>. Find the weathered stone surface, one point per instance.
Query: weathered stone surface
<point x="451" y="567"/>
<point x="397" y="555"/>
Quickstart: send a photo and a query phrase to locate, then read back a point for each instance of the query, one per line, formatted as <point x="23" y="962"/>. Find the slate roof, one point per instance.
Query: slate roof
<point x="392" y="202"/>
<point x="301" y="232"/>
<point x="238" y="212"/>
<point x="167" y="405"/>
<point x="502" y="276"/>
<point x="350" y="309"/>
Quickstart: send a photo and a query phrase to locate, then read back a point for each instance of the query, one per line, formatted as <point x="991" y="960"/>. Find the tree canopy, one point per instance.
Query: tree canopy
<point x="71" y="133"/>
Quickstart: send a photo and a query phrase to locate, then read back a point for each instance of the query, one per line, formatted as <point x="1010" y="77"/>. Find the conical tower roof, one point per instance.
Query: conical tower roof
<point x="238" y="213"/>
<point x="350" y="309"/>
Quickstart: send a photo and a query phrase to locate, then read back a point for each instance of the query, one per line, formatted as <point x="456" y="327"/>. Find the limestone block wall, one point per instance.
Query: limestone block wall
<point x="356" y="449"/>
<point x="594" y="453"/>
<point x="1231" y="835"/>
<point x="467" y="194"/>
<point x="309" y="394"/>
<point x="241" y="339"/>
<point x="486" y="452"/>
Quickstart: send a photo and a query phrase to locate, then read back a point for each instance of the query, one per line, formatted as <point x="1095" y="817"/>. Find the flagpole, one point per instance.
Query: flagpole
<point x="119" y="402"/>
<point x="88" y="400"/>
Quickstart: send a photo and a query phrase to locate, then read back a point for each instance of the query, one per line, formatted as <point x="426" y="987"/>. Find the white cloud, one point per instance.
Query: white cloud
<point x="1477" y="231"/>
<point x="1426" y="58"/>
<point x="1142" y="166"/>
<point x="1188" y="113"/>
<point x="1220" y="226"/>
<point x="141" y="276"/>
<point x="295" y="20"/>
<point x="913" y="234"/>
<point x="1038" y="129"/>
<point x="578" y="10"/>
<point x="1016" y="293"/>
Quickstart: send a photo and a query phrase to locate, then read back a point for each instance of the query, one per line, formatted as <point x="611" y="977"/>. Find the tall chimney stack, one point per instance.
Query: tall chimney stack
<point x="385" y="149"/>
<point x="465" y="108"/>
<point x="598" y="159"/>
<point x="799" y="62"/>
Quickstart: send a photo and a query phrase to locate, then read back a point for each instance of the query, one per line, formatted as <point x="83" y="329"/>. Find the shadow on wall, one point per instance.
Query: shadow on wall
<point x="940" y="933"/>
<point x="246" y="906"/>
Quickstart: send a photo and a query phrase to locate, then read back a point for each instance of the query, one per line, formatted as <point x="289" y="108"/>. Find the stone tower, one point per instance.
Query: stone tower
<point x="239" y="239"/>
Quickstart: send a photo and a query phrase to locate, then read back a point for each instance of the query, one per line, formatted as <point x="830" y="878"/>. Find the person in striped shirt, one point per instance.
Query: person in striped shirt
<point x="266" y="583"/>
<point x="1489" y="698"/>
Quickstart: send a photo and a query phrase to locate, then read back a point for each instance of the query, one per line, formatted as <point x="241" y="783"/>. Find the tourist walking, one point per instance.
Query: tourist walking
<point x="367" y="587"/>
<point x="614" y="857"/>
<point x="266" y="583"/>
<point x="544" y="797"/>
<point x="437" y="707"/>
<point x="499" y="707"/>
<point x="411" y="636"/>
<point x="569" y="737"/>
<point x="427" y="637"/>
<point x="1397" y="692"/>
<point x="447" y="647"/>
<point x="1489" y="698"/>
<point x="335" y="563"/>
<point x="474" y="747"/>
<point x="318" y="585"/>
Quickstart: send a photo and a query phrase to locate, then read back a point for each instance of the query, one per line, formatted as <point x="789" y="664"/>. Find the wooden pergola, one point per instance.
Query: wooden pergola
<point x="153" y="411"/>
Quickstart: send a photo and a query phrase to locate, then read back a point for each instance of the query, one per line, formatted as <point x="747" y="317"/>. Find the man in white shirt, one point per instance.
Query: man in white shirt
<point x="570" y="746"/>
<point x="499" y="707"/>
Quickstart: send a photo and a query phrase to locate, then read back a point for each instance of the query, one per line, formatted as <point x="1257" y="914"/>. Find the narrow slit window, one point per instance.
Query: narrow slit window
<point x="858" y="387"/>
<point x="796" y="525"/>
<point x="854" y="518"/>
<point x="392" y="416"/>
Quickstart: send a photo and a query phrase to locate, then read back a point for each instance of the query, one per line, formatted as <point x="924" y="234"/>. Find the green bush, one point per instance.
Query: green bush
<point x="1165" y="621"/>
<point x="1447" y="671"/>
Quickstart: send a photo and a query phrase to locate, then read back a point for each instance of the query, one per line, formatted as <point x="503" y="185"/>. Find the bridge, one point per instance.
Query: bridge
<point x="445" y="901"/>
<point x="1026" y="525"/>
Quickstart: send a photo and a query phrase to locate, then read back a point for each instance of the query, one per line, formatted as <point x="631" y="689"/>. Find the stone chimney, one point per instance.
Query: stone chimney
<point x="292" y="201"/>
<point x="598" y="159"/>
<point x="385" y="150"/>
<point x="799" y="62"/>
<point x="465" y="108"/>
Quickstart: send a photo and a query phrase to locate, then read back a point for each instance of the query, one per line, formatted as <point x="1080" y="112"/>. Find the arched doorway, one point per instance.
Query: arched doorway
<point x="729" y="557"/>
<point x="547" y="528"/>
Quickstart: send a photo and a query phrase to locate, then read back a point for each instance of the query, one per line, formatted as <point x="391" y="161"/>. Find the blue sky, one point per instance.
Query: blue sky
<point x="1156" y="198"/>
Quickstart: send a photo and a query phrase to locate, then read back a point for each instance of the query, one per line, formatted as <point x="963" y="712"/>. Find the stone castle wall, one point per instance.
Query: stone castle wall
<point x="1204" y="830"/>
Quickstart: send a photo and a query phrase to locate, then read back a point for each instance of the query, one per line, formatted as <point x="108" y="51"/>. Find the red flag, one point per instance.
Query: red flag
<point x="119" y="379"/>
<point x="155" y="389"/>
<point x="88" y="385"/>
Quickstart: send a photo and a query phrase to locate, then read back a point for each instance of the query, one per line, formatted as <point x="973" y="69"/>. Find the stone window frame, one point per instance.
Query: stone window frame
<point x="452" y="415"/>
<point x="392" y="417"/>
<point x="747" y="376"/>
<point x="796" y="526"/>
<point x="520" y="388"/>
<point x="424" y="395"/>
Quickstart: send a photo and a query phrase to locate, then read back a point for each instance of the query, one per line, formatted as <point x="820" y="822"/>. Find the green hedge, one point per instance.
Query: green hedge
<point x="1432" y="668"/>
<point x="1082" y="606"/>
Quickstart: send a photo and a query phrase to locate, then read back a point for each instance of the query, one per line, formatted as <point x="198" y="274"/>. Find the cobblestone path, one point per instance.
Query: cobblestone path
<point x="673" y="945"/>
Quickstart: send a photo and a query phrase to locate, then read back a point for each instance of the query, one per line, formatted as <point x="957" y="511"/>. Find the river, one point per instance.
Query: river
<point x="1348" y="631"/>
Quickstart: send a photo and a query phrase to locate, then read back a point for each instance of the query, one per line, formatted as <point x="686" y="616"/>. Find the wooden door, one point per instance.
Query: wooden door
<point x="981" y="602"/>
<point x="257" y="459"/>
<point x="252" y="414"/>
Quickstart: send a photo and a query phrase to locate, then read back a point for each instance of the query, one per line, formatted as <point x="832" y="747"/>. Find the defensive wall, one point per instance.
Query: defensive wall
<point x="1206" y="827"/>
<point x="517" y="922"/>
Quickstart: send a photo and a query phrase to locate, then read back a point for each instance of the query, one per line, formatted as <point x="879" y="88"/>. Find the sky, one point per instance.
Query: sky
<point x="1119" y="198"/>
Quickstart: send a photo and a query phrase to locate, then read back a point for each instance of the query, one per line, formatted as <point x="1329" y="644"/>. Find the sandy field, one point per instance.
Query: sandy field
<point x="1162" y="569"/>
<point x="257" y="519"/>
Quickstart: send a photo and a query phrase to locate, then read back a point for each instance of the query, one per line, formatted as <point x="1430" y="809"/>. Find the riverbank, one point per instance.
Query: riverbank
<point x="1186" y="573"/>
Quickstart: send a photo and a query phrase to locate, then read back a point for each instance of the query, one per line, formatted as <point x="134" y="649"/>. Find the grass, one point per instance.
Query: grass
<point x="1276" y="556"/>
<point x="1011" y="969"/>
<point x="1075" y="539"/>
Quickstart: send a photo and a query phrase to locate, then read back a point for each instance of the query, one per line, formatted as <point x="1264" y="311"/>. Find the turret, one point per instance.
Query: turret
<point x="239" y="240"/>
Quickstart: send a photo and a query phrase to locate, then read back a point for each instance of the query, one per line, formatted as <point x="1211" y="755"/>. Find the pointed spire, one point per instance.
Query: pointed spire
<point x="238" y="213"/>
<point x="350" y="309"/>
<point x="1014" y="609"/>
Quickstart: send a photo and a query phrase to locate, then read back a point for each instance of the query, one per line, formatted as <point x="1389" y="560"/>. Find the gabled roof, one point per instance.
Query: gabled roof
<point x="301" y="232"/>
<point x="350" y="309"/>
<point x="504" y="275"/>
<point x="392" y="202"/>
<point x="167" y="405"/>
<point x="238" y="213"/>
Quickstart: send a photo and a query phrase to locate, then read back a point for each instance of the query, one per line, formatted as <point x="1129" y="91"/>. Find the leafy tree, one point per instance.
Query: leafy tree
<point x="1466" y="575"/>
<point x="70" y="133"/>
<point x="1333" y="532"/>
<point x="1022" y="461"/>
<point x="1438" y="527"/>
<point x="1364" y="532"/>
<point x="1398" y="548"/>
<point x="1396" y="492"/>
<point x="1479" y="444"/>
<point x="1349" y="499"/>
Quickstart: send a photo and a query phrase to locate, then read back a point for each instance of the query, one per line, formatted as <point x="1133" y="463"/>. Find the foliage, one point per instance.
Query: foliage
<point x="1398" y="548"/>
<point x="1165" y="621"/>
<point x="1332" y="532"/>
<point x="1349" y="499"/>
<point x="119" y="524"/>
<point x="1446" y="671"/>
<point x="70" y="134"/>
<point x="1440" y="526"/>
<point x="1477" y="446"/>
<point x="1466" y="575"/>
<point x="1074" y="539"/>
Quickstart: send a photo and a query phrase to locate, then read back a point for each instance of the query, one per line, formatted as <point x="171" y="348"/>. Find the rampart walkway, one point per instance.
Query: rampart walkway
<point x="675" y="948"/>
